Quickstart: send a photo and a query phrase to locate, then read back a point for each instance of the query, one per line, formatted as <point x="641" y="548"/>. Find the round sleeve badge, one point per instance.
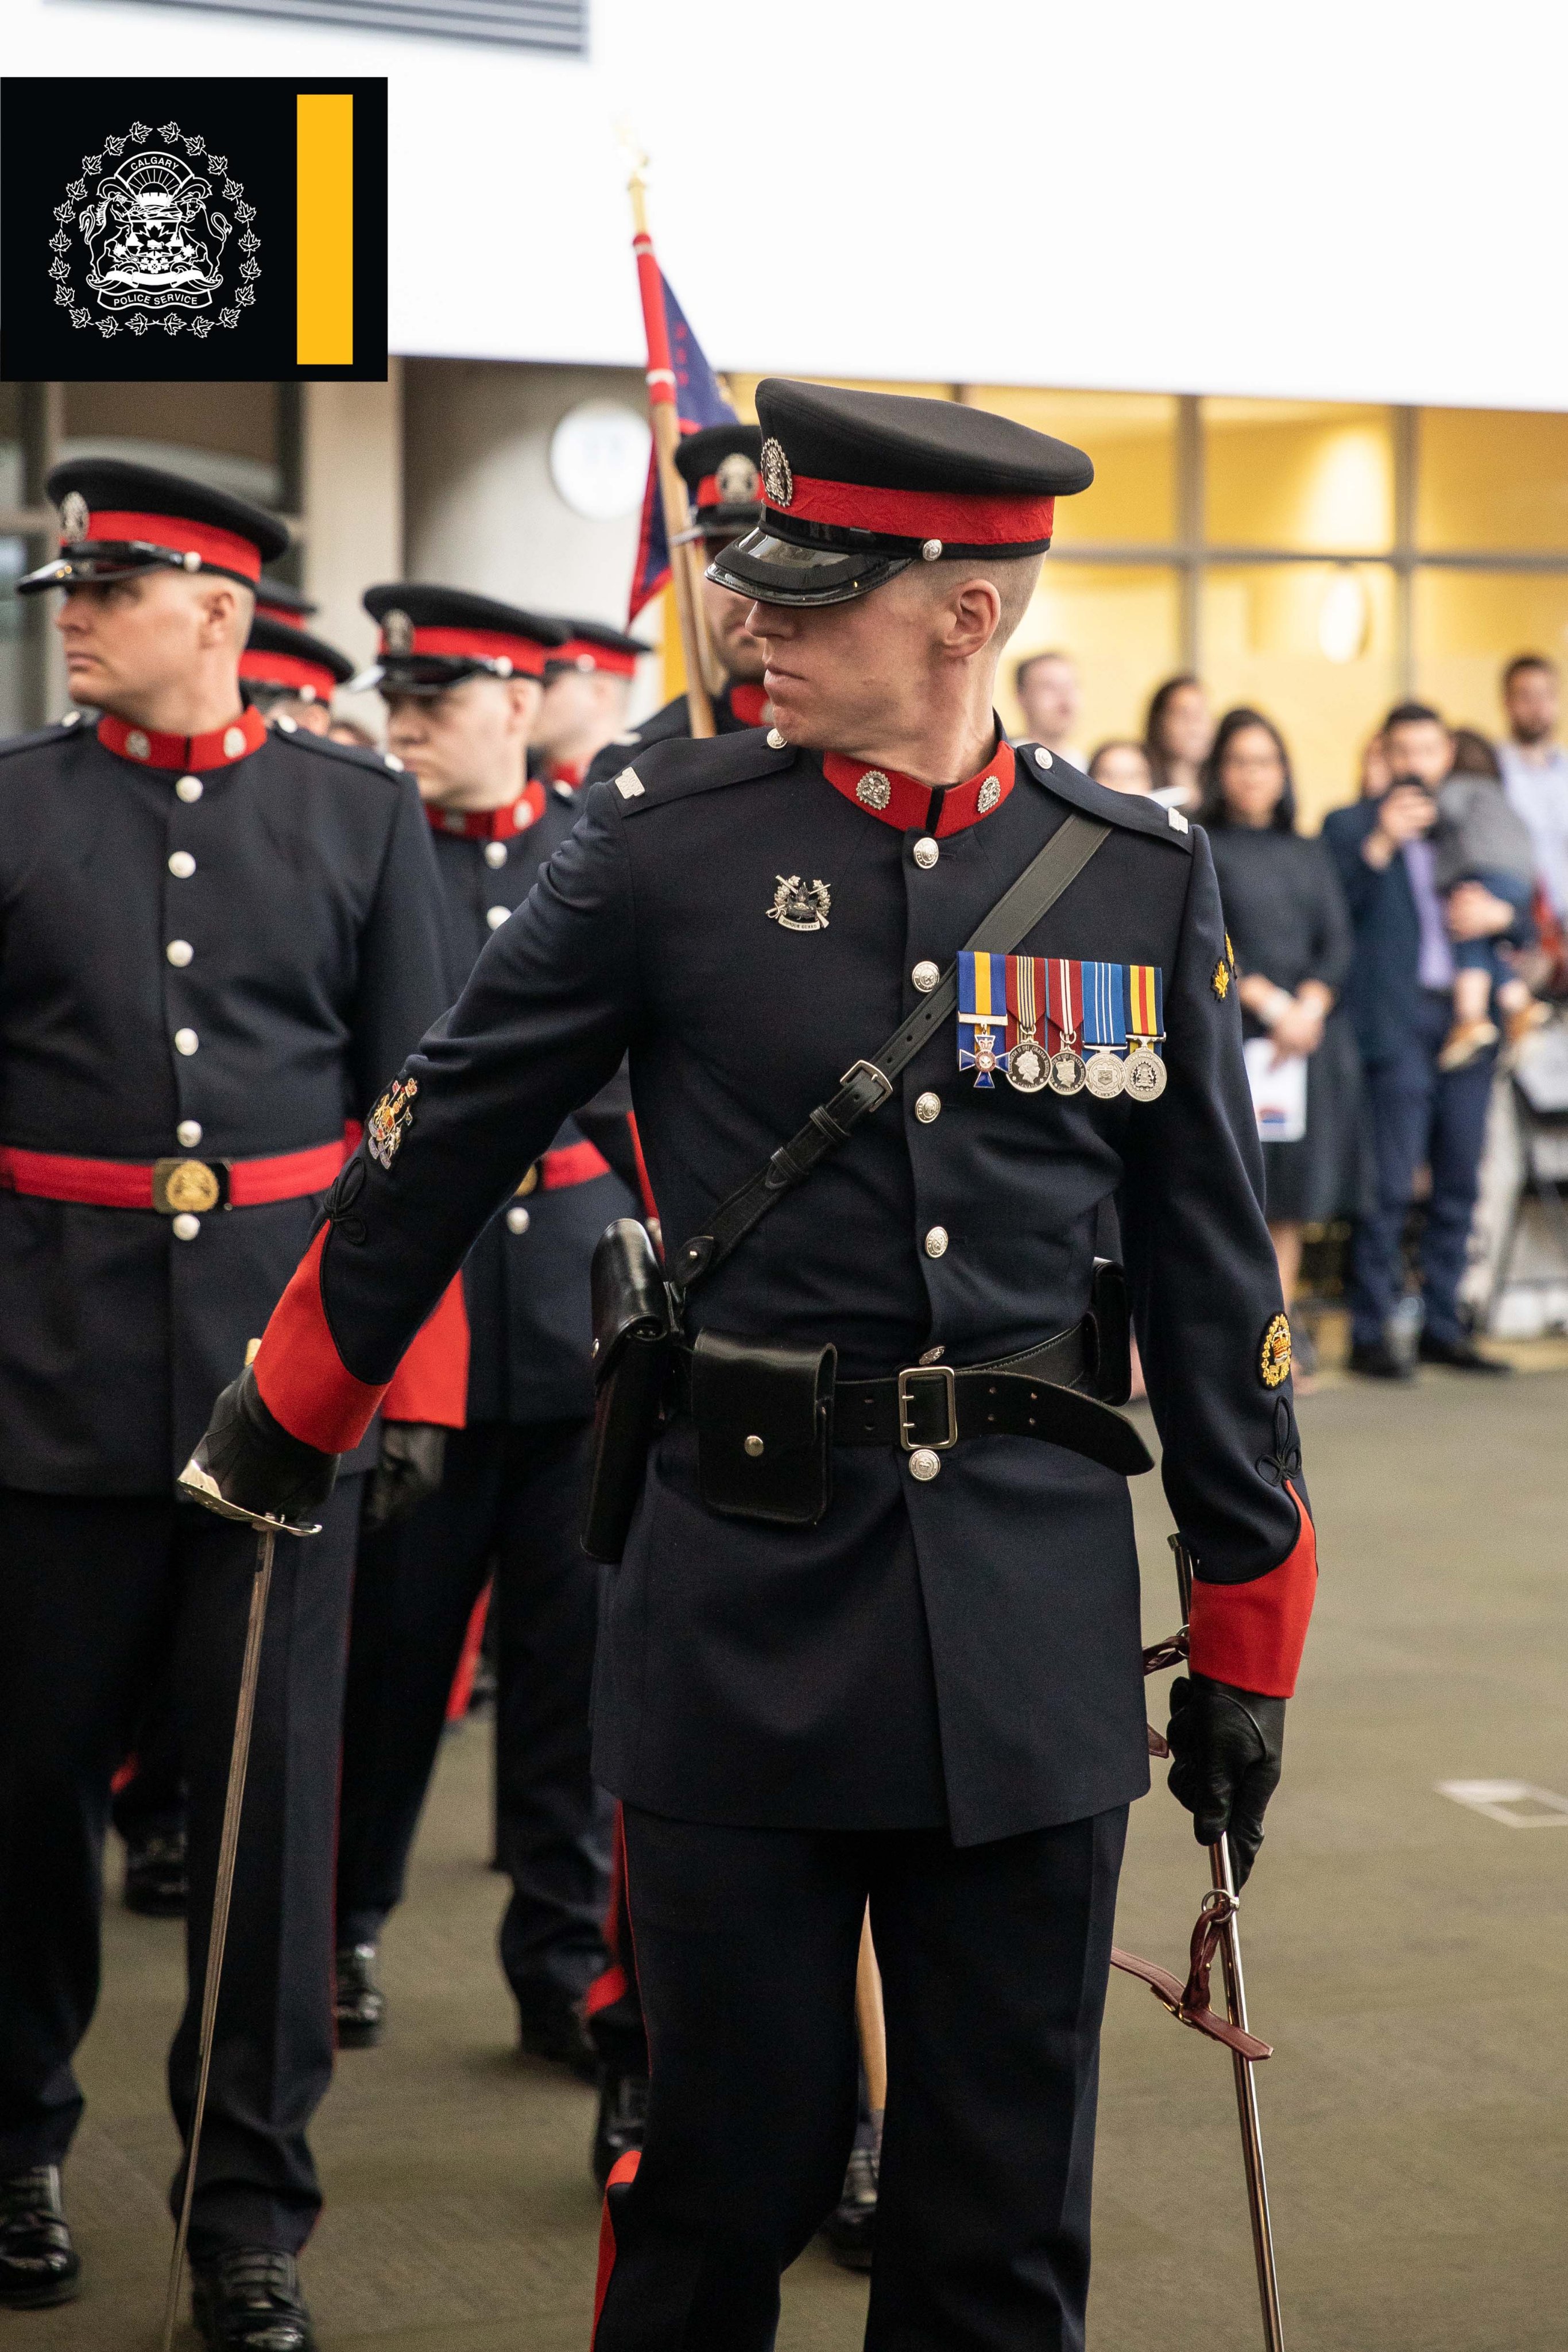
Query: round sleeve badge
<point x="1274" y="1357"/>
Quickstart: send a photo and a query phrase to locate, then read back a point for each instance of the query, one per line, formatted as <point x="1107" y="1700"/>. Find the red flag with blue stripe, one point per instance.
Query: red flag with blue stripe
<point x="698" y="402"/>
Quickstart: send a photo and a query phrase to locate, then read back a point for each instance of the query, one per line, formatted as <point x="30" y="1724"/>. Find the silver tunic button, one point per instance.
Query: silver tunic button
<point x="754" y="1446"/>
<point x="926" y="853"/>
<point x="188" y="1134"/>
<point x="185" y="1041"/>
<point x="924" y="1464"/>
<point x="187" y="1227"/>
<point x="182" y="865"/>
<point x="775" y="741"/>
<point x="927" y="1107"/>
<point x="494" y="853"/>
<point x="1042" y="755"/>
<point x="496" y="915"/>
<point x="936" y="1242"/>
<point x="179" y="952"/>
<point x="926" y="977"/>
<point x="189" y="788"/>
<point x="518" y="1220"/>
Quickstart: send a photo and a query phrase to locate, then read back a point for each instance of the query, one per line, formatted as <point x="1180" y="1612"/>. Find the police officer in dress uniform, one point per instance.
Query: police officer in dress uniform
<point x="875" y="1629"/>
<point x="461" y="676"/>
<point x="290" y="672"/>
<point x="719" y="466"/>
<point x="588" y="684"/>
<point x="218" y="941"/>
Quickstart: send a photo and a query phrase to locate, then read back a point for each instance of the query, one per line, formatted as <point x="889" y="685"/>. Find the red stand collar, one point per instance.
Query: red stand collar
<point x="569" y="773"/>
<point x="748" y="701"/>
<point x="491" y="825"/>
<point x="904" y="802"/>
<point x="189" y="753"/>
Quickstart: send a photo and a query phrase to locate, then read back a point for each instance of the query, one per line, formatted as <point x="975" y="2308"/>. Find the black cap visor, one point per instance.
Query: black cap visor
<point x="773" y="571"/>
<point x="90" y="562"/>
<point x="428" y="672"/>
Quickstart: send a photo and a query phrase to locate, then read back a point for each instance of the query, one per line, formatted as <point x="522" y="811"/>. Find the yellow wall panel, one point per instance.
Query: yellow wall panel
<point x="1491" y="478"/>
<point x="1298" y="474"/>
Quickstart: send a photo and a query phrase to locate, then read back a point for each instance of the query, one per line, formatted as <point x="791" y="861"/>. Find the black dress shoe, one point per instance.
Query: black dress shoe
<point x="1460" y="1355"/>
<point x="359" y="2004"/>
<point x="549" y="2026"/>
<point x="38" y="2263"/>
<point x="621" y="2120"/>
<point x="249" y="2301"/>
<point x="1375" y="1359"/>
<point x="156" y="1883"/>
<point x="850" y="2229"/>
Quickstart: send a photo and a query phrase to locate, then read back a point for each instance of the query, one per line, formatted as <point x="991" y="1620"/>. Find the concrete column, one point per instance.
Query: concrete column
<point x="352" y="470"/>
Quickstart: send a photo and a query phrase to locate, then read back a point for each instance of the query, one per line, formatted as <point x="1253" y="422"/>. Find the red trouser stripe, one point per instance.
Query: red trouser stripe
<point x="622" y="2171"/>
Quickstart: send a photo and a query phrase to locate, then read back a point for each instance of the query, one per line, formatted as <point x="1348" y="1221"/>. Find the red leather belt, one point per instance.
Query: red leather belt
<point x="574" y="1163"/>
<point x="174" y="1186"/>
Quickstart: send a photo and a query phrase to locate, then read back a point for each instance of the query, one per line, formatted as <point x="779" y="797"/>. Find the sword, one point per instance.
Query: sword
<point x="198" y="1486"/>
<point x="1224" y="1886"/>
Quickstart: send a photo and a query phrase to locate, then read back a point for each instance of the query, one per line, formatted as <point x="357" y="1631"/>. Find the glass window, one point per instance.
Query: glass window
<point x="1118" y="623"/>
<point x="1491" y="478"/>
<point x="223" y="434"/>
<point x="1131" y="438"/>
<point x="1469" y="623"/>
<point x="1312" y="646"/>
<point x="1297" y="474"/>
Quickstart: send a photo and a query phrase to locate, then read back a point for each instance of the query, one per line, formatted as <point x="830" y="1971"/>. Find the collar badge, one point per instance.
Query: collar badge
<point x="987" y="796"/>
<point x="873" y="790"/>
<point x="797" y="908"/>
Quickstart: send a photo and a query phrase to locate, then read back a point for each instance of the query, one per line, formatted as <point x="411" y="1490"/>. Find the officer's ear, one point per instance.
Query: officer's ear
<point x="524" y="696"/>
<point x="226" y="610"/>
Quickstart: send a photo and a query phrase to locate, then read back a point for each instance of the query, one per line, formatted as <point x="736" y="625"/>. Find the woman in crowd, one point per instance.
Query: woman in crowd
<point x="1292" y="938"/>
<point x="1122" y="766"/>
<point x="1177" y="733"/>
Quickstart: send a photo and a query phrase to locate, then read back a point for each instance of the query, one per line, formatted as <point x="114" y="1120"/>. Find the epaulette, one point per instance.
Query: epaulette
<point x="1131" y="810"/>
<point x="59" y="731"/>
<point x="354" y="755"/>
<point x="677" y="768"/>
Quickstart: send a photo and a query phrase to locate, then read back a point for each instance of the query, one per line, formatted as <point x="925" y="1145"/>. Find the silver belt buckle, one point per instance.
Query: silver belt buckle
<point x="943" y="1372"/>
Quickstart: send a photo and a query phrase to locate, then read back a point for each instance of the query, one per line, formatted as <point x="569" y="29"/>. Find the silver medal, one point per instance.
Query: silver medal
<point x="1145" y="1074"/>
<point x="1027" y="1068"/>
<point x="1066" y="1073"/>
<point x="1103" y="1075"/>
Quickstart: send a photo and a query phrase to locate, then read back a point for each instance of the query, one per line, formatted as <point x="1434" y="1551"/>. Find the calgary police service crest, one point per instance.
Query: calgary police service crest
<point x="161" y="234"/>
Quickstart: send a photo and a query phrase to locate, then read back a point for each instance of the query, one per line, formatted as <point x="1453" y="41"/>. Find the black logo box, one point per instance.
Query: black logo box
<point x="50" y="127"/>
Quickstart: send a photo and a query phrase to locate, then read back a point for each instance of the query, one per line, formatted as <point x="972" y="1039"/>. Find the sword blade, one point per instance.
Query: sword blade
<point x="222" y="1894"/>
<point x="1246" y="2109"/>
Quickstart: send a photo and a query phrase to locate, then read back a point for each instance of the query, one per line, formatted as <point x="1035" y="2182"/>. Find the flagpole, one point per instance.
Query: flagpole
<point x="663" y="417"/>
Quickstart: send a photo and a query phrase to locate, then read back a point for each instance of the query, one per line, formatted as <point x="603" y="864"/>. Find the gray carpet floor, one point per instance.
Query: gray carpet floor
<point x="1408" y="1956"/>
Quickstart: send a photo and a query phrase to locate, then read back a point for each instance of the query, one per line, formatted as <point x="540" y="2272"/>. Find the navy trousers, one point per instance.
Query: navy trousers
<point x="510" y="1505"/>
<point x="1420" y="1117"/>
<point x="98" y="1598"/>
<point x="994" y="1961"/>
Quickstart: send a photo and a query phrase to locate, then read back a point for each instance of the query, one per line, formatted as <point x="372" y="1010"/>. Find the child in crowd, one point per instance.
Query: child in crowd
<point x="1480" y="839"/>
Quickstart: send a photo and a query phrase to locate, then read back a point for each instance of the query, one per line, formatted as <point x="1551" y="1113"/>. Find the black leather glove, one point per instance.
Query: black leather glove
<point x="413" y="1456"/>
<point x="1227" y="1744"/>
<point x="255" y="1461"/>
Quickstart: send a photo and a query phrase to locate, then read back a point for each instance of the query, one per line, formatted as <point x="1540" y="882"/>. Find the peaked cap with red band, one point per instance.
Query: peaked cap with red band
<point x="722" y="467"/>
<point x="119" y="519"/>
<point x="284" y="658"/>
<point x="433" y="638"/>
<point x="590" y="645"/>
<point x="857" y="486"/>
<point x="277" y="599"/>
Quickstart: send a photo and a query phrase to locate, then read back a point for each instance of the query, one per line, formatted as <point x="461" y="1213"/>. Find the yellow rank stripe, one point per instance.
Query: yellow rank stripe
<point x="1141" y="1000"/>
<point x="324" y="173"/>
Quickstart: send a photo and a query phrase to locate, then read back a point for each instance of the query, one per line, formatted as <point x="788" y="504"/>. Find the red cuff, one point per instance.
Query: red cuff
<point x="303" y="1380"/>
<point x="431" y="1384"/>
<point x="1254" y="1634"/>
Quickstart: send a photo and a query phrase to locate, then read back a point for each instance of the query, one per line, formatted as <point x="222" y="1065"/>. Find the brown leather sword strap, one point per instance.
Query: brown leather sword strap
<point x="1190" y="2003"/>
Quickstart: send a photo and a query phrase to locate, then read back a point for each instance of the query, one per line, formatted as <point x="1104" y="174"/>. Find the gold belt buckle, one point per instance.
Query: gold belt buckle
<point x="189" y="1187"/>
<point x="911" y="1372"/>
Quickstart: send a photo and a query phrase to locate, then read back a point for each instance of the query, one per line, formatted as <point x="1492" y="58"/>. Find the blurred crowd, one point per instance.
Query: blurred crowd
<point x="1386" y="968"/>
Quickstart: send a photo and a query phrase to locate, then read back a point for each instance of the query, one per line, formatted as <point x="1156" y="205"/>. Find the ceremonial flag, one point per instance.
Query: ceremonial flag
<point x="698" y="402"/>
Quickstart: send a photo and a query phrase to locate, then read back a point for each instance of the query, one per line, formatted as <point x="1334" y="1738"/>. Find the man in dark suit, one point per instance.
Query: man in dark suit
<point x="875" y="1630"/>
<point x="219" y="941"/>
<point x="1401" y="1001"/>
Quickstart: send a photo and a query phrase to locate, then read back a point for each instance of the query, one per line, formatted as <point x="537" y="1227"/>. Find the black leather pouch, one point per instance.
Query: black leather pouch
<point x="1111" y="1323"/>
<point x="631" y="1367"/>
<point x="764" y="1415"/>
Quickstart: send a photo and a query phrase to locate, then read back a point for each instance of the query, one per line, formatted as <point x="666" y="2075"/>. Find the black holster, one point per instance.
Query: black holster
<point x="631" y="1327"/>
<point x="764" y="1419"/>
<point x="1108" y="1332"/>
